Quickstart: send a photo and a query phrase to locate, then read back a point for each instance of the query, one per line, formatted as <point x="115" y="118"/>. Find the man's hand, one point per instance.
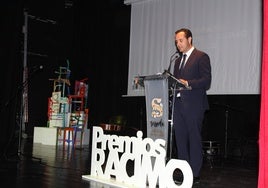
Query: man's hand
<point x="184" y="82"/>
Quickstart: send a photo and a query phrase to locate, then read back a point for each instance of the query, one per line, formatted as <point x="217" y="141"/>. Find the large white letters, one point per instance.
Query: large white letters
<point x="148" y="158"/>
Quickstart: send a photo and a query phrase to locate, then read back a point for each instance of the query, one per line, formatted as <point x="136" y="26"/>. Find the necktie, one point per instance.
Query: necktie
<point x="183" y="61"/>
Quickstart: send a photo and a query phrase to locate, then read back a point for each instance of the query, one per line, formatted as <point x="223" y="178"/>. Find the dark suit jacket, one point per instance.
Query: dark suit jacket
<point x="197" y="71"/>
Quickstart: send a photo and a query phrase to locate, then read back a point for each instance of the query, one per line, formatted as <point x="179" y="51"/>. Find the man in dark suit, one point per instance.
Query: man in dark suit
<point x="190" y="105"/>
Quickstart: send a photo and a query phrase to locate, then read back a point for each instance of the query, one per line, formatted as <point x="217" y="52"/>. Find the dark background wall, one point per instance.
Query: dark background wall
<point x="94" y="37"/>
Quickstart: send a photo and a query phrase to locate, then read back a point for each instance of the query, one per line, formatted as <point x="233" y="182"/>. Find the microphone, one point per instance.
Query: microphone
<point x="173" y="57"/>
<point x="36" y="69"/>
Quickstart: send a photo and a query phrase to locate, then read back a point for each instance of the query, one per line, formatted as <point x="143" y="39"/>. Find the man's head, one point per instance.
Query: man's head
<point x="183" y="39"/>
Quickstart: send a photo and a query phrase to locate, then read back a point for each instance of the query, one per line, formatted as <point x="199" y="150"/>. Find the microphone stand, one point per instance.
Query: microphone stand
<point x="171" y="120"/>
<point x="19" y="117"/>
<point x="226" y="135"/>
<point x="172" y="58"/>
<point x="174" y="89"/>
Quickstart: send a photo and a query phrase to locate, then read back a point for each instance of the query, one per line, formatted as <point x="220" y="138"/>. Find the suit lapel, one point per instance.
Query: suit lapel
<point x="190" y="59"/>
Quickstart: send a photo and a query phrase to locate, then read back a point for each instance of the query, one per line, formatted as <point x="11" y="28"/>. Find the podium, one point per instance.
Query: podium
<point x="157" y="106"/>
<point x="160" y="93"/>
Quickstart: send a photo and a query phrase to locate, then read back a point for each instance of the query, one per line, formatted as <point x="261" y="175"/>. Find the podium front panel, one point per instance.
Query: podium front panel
<point x="156" y="98"/>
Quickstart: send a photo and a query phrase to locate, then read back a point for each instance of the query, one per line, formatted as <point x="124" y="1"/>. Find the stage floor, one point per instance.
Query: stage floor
<point x="42" y="166"/>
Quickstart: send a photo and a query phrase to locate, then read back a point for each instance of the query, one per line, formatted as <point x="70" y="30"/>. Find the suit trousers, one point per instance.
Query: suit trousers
<point x="187" y="127"/>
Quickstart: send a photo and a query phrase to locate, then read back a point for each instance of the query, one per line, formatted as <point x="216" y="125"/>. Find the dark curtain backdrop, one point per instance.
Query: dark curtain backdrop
<point x="94" y="37"/>
<point x="11" y="72"/>
<point x="100" y="52"/>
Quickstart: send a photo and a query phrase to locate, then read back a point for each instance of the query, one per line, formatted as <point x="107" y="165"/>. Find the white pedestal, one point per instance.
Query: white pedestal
<point x="44" y="135"/>
<point x="48" y="136"/>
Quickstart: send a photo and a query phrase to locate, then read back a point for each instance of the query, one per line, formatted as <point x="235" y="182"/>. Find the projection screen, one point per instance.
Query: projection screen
<point x="229" y="31"/>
